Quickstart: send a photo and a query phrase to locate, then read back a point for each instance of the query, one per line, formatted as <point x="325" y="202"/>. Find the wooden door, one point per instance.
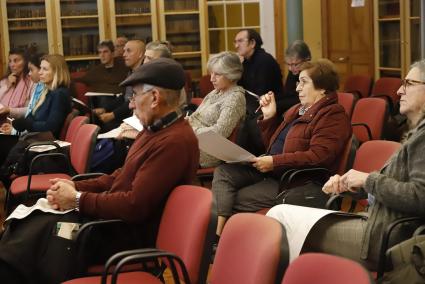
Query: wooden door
<point x="348" y="37"/>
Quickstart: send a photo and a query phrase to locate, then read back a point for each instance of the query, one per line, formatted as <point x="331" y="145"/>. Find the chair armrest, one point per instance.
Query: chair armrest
<point x="152" y="255"/>
<point x="86" y="176"/>
<point x="386" y="238"/>
<point x="92" y="224"/>
<point x="289" y="176"/>
<point x="369" y="132"/>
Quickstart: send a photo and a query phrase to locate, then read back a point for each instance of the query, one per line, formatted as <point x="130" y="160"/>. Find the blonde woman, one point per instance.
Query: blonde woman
<point x="54" y="103"/>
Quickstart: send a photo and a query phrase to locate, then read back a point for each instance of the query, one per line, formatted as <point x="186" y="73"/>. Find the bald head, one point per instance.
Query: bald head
<point x="133" y="53"/>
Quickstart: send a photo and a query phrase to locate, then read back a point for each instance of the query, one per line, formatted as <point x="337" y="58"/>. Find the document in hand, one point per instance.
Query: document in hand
<point x="216" y="145"/>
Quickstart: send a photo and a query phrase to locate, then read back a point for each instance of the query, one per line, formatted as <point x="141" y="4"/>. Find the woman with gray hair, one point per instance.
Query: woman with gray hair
<point x="396" y="191"/>
<point x="224" y="107"/>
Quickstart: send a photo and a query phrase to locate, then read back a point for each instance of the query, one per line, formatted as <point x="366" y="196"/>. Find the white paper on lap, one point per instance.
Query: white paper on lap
<point x="23" y="211"/>
<point x="298" y="221"/>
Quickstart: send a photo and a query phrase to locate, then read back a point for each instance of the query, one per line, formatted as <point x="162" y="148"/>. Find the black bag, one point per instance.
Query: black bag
<point x="309" y="194"/>
<point x="18" y="160"/>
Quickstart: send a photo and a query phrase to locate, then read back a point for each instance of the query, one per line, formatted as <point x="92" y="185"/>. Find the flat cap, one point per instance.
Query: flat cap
<point x="161" y="72"/>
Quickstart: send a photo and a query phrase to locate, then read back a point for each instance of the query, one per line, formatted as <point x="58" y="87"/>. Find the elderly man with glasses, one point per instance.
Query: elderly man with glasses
<point x="164" y="155"/>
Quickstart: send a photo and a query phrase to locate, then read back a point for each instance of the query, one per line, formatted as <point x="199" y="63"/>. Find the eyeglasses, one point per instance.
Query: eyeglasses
<point x="133" y="97"/>
<point x="295" y="64"/>
<point x="301" y="83"/>
<point x="409" y="82"/>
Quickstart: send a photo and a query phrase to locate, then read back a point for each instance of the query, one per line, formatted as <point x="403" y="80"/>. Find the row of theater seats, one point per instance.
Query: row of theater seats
<point x="252" y="250"/>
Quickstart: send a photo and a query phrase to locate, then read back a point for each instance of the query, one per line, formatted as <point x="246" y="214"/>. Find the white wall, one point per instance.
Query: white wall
<point x="267" y="25"/>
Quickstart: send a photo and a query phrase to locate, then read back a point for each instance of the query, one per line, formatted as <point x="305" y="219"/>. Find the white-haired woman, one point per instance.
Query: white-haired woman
<point x="397" y="190"/>
<point x="224" y="107"/>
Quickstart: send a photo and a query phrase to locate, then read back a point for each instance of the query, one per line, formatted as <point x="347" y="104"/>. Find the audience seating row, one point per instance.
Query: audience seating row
<point x="82" y="137"/>
<point x="252" y="249"/>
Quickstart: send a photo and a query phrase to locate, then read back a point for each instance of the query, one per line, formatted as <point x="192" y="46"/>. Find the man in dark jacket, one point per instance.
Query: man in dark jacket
<point x="261" y="74"/>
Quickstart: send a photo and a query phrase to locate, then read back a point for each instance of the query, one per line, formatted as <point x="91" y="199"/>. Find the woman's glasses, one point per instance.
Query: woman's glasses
<point x="409" y="82"/>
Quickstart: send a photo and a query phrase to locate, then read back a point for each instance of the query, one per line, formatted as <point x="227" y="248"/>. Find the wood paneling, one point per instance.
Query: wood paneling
<point x="348" y="37"/>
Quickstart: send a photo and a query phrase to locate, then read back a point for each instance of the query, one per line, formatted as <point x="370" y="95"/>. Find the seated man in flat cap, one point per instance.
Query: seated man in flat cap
<point x="165" y="154"/>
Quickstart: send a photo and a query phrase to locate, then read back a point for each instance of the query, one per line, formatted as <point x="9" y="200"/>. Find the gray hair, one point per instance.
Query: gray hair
<point x="164" y="47"/>
<point x="298" y="49"/>
<point x="421" y="66"/>
<point x="226" y="63"/>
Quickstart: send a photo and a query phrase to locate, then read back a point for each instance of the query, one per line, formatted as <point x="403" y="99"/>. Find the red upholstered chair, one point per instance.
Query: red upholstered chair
<point x="188" y="84"/>
<point x="66" y="123"/>
<point x="80" y="153"/>
<point x="184" y="236"/>
<point x="322" y="268"/>
<point x="196" y="101"/>
<point x="347" y="100"/>
<point x="75" y="124"/>
<point x="252" y="249"/>
<point x="79" y="88"/>
<point x="387" y="87"/>
<point x="370" y="156"/>
<point x="205" y="85"/>
<point x="359" y="85"/>
<point x="368" y="119"/>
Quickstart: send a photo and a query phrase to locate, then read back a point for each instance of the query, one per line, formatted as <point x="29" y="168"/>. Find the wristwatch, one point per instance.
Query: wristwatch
<point x="77" y="201"/>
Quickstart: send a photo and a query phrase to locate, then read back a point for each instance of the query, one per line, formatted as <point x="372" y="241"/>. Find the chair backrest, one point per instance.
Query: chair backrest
<point x="205" y="85"/>
<point x="372" y="155"/>
<point x="183" y="227"/>
<point x="369" y="113"/>
<point x="66" y="123"/>
<point x="249" y="251"/>
<point x="347" y="156"/>
<point x="73" y="127"/>
<point x="347" y="101"/>
<point x="188" y="83"/>
<point x="358" y="85"/>
<point x="387" y="86"/>
<point x="196" y="101"/>
<point x="82" y="147"/>
<point x="322" y="268"/>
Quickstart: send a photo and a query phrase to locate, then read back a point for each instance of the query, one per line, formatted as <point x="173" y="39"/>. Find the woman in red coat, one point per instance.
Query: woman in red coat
<point x="310" y="134"/>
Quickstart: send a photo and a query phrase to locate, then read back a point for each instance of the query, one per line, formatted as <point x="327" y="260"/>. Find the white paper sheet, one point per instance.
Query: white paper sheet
<point x="45" y="148"/>
<point x="134" y="122"/>
<point x="23" y="211"/>
<point x="110" y="134"/>
<point x="94" y="94"/>
<point x="296" y="224"/>
<point x="223" y="149"/>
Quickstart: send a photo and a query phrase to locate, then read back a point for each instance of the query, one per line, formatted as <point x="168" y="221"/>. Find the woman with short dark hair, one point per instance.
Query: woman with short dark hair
<point x="310" y="134"/>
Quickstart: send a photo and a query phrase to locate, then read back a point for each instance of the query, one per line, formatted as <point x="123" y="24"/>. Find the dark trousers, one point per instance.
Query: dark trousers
<point x="242" y="188"/>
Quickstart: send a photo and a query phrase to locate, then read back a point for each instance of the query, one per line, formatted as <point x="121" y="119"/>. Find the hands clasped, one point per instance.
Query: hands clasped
<point x="350" y="181"/>
<point x="62" y="194"/>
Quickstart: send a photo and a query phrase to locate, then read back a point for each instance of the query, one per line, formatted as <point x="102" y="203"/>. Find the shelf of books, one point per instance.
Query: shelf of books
<point x="134" y="19"/>
<point x="183" y="25"/>
<point x="24" y="24"/>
